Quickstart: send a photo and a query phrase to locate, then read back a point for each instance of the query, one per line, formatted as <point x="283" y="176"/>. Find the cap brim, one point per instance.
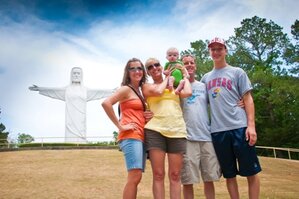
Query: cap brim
<point x="216" y="43"/>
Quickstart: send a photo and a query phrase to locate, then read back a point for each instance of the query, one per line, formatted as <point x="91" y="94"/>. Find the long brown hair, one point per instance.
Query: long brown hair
<point x="126" y="77"/>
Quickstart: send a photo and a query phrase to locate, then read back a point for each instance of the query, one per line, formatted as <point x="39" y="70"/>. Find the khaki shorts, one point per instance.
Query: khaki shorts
<point x="200" y="160"/>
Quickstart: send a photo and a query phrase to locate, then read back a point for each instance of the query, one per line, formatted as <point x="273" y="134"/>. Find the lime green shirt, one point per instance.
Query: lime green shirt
<point x="177" y="73"/>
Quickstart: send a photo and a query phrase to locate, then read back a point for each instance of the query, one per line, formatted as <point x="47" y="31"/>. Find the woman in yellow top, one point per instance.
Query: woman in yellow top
<point x="166" y="132"/>
<point x="131" y="123"/>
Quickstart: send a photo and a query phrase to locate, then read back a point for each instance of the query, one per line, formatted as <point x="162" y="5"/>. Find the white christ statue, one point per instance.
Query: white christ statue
<point x="75" y="96"/>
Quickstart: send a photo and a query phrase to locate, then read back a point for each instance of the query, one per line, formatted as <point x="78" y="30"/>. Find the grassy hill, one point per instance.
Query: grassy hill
<point x="100" y="173"/>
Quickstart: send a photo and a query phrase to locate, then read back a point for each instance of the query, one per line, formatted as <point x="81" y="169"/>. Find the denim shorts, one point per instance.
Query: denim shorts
<point x="134" y="153"/>
<point x="235" y="155"/>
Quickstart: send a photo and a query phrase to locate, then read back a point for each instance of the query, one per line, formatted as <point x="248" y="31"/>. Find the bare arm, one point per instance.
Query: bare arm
<point x="251" y="135"/>
<point x="187" y="90"/>
<point x="149" y="89"/>
<point x="119" y="96"/>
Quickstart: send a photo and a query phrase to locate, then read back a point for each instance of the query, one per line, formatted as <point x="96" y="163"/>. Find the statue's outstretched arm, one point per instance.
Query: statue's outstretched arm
<point x="98" y="94"/>
<point x="56" y="93"/>
<point x="34" y="88"/>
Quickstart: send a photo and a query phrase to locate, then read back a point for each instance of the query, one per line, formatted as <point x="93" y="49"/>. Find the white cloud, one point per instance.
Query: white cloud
<point x="281" y="12"/>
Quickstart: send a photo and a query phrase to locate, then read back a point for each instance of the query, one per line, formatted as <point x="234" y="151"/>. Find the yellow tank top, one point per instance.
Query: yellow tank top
<point x="168" y="117"/>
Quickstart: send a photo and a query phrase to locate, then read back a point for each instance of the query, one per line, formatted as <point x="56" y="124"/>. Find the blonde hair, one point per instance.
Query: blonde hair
<point x="187" y="55"/>
<point x="150" y="60"/>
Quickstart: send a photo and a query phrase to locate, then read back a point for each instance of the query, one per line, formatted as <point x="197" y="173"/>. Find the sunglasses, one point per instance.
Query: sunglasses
<point x="150" y="67"/>
<point x="134" y="69"/>
<point x="188" y="63"/>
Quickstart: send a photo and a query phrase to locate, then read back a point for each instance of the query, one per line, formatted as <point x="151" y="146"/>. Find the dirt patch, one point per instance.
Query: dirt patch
<point x="101" y="173"/>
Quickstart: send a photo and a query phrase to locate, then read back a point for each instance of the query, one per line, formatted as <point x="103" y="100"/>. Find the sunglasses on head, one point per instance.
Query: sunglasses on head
<point x="150" y="67"/>
<point x="134" y="69"/>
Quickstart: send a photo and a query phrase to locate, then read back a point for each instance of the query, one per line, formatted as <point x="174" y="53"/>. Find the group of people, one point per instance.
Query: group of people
<point x="158" y="121"/>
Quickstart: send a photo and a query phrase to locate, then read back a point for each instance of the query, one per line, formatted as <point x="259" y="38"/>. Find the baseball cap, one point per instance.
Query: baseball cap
<point x="217" y="40"/>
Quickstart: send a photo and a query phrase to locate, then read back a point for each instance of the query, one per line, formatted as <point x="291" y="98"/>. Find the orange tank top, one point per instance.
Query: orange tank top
<point x="132" y="111"/>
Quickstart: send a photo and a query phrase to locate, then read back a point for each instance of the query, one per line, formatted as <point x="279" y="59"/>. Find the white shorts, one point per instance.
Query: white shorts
<point x="200" y="160"/>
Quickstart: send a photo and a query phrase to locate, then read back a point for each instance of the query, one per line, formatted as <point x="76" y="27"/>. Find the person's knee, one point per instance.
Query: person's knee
<point x="135" y="177"/>
<point x="188" y="187"/>
<point x="175" y="176"/>
<point x="253" y="179"/>
<point x="158" y="175"/>
<point x="231" y="181"/>
<point x="209" y="184"/>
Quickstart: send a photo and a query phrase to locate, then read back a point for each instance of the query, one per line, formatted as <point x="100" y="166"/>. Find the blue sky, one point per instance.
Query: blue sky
<point x="42" y="40"/>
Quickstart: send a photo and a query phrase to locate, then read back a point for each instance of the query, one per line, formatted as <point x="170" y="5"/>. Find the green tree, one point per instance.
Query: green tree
<point x="276" y="105"/>
<point x="25" y="138"/>
<point x="292" y="53"/>
<point x="115" y="135"/>
<point x="3" y="136"/>
<point x="258" y="44"/>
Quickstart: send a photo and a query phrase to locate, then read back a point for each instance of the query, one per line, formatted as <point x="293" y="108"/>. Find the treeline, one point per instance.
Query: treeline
<point x="271" y="59"/>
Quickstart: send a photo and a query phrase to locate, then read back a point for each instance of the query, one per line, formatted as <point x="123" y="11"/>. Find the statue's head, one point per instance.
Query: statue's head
<point x="76" y="75"/>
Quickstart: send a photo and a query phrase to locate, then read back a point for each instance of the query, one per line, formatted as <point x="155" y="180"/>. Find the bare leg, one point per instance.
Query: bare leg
<point x="209" y="190"/>
<point x="232" y="187"/>
<point x="180" y="87"/>
<point x="188" y="191"/>
<point x="157" y="158"/>
<point x="253" y="186"/>
<point x="175" y="163"/>
<point x="134" y="178"/>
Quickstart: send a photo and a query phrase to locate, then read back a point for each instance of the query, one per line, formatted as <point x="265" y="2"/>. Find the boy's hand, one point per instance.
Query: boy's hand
<point x="251" y="136"/>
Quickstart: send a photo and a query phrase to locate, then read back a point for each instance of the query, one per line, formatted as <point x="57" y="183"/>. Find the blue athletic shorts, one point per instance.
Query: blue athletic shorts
<point x="134" y="153"/>
<point x="231" y="147"/>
